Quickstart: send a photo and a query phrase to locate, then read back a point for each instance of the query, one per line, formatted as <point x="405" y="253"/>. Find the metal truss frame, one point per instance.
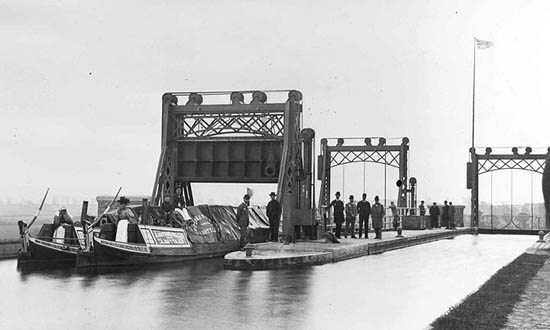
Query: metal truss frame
<point x="206" y="121"/>
<point x="489" y="165"/>
<point x="488" y="162"/>
<point x="390" y="158"/>
<point x="391" y="155"/>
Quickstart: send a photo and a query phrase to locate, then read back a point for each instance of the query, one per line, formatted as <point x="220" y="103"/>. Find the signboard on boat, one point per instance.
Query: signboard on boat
<point x="164" y="237"/>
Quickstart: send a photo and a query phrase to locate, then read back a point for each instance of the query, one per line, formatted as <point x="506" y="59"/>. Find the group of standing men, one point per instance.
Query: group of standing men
<point x="273" y="211"/>
<point x="447" y="216"/>
<point x="364" y="209"/>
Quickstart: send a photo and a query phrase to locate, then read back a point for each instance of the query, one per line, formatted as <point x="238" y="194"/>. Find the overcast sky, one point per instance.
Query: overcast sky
<point x="81" y="83"/>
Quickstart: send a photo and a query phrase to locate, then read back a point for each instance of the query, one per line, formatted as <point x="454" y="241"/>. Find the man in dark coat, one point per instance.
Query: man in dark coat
<point x="338" y="213"/>
<point x="434" y="215"/>
<point x="243" y="219"/>
<point x="445" y="216"/>
<point x="363" y="207"/>
<point x="451" y="215"/>
<point x="273" y="211"/>
<point x="166" y="209"/>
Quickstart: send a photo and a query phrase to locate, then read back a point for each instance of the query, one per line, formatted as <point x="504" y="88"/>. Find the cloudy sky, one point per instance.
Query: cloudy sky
<point x="81" y="84"/>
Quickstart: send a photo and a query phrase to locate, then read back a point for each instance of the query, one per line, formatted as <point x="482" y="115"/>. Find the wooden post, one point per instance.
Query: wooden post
<point x="145" y="214"/>
<point x="83" y="218"/>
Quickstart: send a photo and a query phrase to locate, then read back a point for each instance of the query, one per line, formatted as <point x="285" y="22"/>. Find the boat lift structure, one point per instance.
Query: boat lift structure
<point x="381" y="153"/>
<point x="246" y="140"/>
<point x="489" y="162"/>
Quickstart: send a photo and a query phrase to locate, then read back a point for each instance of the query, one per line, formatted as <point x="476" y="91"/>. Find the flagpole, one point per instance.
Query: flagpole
<point x="474" y="96"/>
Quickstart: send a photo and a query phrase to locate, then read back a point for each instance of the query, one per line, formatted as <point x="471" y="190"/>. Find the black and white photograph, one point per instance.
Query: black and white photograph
<point x="244" y="165"/>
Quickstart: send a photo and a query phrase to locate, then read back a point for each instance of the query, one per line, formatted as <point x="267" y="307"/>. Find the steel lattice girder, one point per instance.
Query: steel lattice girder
<point x="391" y="155"/>
<point x="496" y="162"/>
<point x="210" y="120"/>
<point x="390" y="158"/>
<point x="484" y="163"/>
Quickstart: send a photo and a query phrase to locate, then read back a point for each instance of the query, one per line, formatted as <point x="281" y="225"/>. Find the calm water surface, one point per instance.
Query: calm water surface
<point x="403" y="289"/>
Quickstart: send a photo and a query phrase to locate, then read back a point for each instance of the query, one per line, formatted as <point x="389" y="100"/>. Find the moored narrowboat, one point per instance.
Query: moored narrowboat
<point x="195" y="232"/>
<point x="53" y="246"/>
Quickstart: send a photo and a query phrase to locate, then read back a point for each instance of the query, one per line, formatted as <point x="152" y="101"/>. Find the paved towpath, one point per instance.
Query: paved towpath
<point x="273" y="255"/>
<point x="533" y="309"/>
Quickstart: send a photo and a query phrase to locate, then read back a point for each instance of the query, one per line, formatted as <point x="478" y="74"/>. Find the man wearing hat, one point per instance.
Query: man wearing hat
<point x="273" y="211"/>
<point x="338" y="213"/>
<point x="363" y="208"/>
<point x="243" y="219"/>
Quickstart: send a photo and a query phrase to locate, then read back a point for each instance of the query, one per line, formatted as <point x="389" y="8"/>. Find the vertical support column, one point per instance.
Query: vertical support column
<point x="403" y="153"/>
<point x="474" y="222"/>
<point x="324" y="173"/>
<point x="324" y="176"/>
<point x="290" y="167"/>
<point x="307" y="135"/>
<point x="546" y="189"/>
<point x="168" y="100"/>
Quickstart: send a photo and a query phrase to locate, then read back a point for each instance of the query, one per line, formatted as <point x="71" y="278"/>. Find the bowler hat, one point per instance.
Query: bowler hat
<point x="337" y="193"/>
<point x="272" y="194"/>
<point x="123" y="200"/>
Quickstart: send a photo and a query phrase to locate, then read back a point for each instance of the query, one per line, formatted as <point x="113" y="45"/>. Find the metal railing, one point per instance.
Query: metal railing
<point x="516" y="222"/>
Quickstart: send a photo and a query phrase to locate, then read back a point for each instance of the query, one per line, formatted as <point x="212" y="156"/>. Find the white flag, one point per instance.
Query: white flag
<point x="483" y="44"/>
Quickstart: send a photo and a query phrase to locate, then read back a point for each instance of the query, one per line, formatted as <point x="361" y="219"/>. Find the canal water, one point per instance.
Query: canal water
<point x="402" y="289"/>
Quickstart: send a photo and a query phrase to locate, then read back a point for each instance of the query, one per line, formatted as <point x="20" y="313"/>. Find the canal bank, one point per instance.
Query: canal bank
<point x="514" y="298"/>
<point x="273" y="255"/>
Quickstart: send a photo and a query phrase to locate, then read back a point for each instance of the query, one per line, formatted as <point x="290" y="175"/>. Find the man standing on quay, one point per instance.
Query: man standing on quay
<point x="243" y="219"/>
<point x="363" y="207"/>
<point x="377" y="214"/>
<point x="273" y="211"/>
<point x="451" y="216"/>
<point x="338" y="213"/>
<point x="351" y="214"/>
<point x="422" y="208"/>
<point x="445" y="215"/>
<point x="434" y="215"/>
<point x="395" y="215"/>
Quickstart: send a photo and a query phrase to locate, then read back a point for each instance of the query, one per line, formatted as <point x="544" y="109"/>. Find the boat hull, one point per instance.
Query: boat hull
<point x="45" y="253"/>
<point x="112" y="254"/>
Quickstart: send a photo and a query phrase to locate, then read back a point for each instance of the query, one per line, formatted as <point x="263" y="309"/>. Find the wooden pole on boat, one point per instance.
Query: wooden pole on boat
<point x="106" y="209"/>
<point x="145" y="212"/>
<point x="38" y="211"/>
<point x="84" y="223"/>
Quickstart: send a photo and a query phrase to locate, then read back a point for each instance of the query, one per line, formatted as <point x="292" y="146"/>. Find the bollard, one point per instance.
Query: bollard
<point x="248" y="251"/>
<point x="541" y="237"/>
<point x="399" y="232"/>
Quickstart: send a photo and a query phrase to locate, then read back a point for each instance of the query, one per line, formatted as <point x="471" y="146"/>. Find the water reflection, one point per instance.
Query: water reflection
<point x="402" y="289"/>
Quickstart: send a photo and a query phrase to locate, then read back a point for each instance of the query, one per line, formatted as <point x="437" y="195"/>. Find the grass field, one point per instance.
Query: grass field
<point x="8" y="225"/>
